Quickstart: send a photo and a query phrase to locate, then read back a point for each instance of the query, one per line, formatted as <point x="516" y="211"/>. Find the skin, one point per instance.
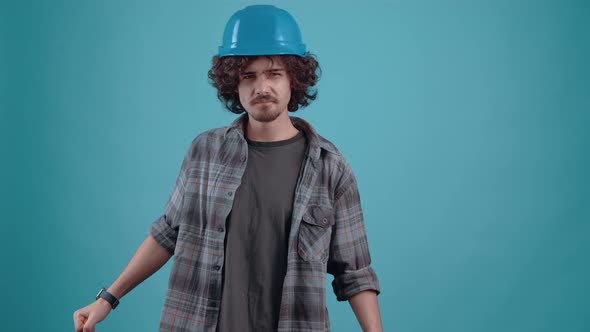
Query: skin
<point x="265" y="91"/>
<point x="366" y="309"/>
<point x="148" y="258"/>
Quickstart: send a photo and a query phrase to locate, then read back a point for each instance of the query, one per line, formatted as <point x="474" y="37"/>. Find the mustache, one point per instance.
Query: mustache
<point x="263" y="98"/>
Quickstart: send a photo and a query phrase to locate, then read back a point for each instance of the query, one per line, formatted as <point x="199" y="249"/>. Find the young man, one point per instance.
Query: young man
<point x="262" y="209"/>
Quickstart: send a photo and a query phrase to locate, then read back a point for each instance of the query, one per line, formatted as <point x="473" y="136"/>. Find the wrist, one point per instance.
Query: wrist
<point x="114" y="292"/>
<point x="104" y="303"/>
<point x="107" y="297"/>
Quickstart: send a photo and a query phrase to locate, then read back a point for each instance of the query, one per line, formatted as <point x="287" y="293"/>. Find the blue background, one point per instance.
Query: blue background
<point x="466" y="123"/>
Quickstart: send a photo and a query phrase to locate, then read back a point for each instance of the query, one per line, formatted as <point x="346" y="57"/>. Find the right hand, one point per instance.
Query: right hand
<point x="86" y="318"/>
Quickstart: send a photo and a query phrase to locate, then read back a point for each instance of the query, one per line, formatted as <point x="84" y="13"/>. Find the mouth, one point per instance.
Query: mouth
<point x="264" y="100"/>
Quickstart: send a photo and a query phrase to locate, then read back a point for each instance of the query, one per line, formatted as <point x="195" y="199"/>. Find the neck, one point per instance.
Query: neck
<point x="279" y="129"/>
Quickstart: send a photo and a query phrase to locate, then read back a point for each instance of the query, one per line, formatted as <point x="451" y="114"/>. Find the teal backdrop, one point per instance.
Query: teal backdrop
<point x="465" y="122"/>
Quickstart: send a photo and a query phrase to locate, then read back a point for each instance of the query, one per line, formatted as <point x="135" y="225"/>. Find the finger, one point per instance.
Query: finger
<point x="88" y="329"/>
<point x="79" y="319"/>
<point x="89" y="324"/>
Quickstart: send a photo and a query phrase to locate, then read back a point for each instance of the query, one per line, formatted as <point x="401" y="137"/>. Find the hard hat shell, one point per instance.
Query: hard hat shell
<point x="261" y="30"/>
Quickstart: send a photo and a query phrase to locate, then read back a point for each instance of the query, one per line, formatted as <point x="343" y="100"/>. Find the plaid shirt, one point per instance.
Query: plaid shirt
<point x="327" y="232"/>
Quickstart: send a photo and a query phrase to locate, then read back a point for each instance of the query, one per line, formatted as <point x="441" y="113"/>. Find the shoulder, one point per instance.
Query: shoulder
<point x="335" y="167"/>
<point x="210" y="135"/>
<point x="331" y="155"/>
<point x="206" y="143"/>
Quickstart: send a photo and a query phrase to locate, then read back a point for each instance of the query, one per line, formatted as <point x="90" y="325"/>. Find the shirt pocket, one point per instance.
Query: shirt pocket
<point x="315" y="234"/>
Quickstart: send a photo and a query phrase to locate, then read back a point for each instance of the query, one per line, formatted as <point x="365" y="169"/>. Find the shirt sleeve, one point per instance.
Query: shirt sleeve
<point x="165" y="229"/>
<point x="349" y="259"/>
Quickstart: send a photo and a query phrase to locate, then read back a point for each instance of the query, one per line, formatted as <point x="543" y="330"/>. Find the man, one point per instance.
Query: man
<point x="262" y="209"/>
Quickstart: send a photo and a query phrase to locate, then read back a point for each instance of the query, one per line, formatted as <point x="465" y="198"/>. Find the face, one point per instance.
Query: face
<point x="265" y="89"/>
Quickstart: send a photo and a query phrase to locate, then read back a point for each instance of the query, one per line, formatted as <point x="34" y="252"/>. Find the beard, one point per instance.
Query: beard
<point x="265" y="112"/>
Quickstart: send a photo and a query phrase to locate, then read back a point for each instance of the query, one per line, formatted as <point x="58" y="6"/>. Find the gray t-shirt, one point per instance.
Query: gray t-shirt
<point x="257" y="236"/>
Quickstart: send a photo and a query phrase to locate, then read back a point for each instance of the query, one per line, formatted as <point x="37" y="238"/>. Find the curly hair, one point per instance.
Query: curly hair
<point x="304" y="73"/>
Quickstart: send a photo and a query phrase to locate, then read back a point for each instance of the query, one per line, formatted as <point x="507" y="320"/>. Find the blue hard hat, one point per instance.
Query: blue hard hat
<point x="261" y="30"/>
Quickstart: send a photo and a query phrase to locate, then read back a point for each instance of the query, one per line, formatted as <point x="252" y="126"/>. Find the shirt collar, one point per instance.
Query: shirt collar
<point x="315" y="141"/>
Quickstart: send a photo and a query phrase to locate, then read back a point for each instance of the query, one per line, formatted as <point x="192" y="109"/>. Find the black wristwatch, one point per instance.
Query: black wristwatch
<point x="103" y="294"/>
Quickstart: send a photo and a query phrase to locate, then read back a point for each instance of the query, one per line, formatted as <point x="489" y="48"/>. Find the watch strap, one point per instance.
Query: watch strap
<point x="110" y="298"/>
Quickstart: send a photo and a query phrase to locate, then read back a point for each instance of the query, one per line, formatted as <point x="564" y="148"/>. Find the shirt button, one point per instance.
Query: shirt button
<point x="230" y="193"/>
<point x="216" y="267"/>
<point x="325" y="220"/>
<point x="220" y="229"/>
<point x="243" y="158"/>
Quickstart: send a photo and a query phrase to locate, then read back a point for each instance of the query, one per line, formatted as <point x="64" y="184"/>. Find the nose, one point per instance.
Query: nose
<point x="262" y="85"/>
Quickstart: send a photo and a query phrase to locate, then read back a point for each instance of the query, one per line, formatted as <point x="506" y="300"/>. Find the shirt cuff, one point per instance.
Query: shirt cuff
<point x="352" y="282"/>
<point x="164" y="234"/>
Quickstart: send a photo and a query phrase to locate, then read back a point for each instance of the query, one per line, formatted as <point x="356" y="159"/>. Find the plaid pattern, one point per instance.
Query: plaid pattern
<point x="327" y="232"/>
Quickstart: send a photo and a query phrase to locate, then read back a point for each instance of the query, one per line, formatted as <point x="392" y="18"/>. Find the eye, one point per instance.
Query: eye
<point x="277" y="74"/>
<point x="247" y="76"/>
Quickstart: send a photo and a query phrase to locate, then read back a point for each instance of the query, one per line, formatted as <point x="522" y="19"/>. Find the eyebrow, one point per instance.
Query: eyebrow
<point x="272" y="70"/>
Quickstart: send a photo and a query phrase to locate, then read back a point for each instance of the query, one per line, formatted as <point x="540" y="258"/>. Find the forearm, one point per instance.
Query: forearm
<point x="148" y="258"/>
<point x="366" y="308"/>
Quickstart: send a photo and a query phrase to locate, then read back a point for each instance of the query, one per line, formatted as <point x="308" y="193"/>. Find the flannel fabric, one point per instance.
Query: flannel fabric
<point x="327" y="232"/>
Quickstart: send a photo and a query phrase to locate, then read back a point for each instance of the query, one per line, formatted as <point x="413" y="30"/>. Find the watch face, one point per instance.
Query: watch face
<point x="99" y="292"/>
